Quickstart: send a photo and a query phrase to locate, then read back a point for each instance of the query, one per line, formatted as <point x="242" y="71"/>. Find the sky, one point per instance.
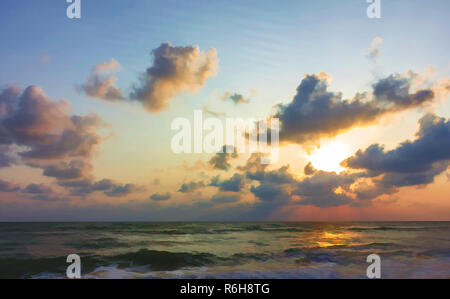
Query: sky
<point x="86" y="108"/>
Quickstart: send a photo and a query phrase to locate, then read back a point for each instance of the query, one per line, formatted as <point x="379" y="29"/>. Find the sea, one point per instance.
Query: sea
<point x="233" y="250"/>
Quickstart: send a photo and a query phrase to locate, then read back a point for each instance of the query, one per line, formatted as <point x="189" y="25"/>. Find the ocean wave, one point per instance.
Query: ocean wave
<point x="151" y="260"/>
<point x="374" y="245"/>
<point x="290" y="263"/>
<point x="27" y="267"/>
<point x="162" y="260"/>
<point x="155" y="260"/>
<point x="397" y="228"/>
<point x="435" y="253"/>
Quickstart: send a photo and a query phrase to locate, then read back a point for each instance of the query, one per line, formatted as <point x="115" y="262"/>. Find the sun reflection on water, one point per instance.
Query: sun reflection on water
<point x="323" y="239"/>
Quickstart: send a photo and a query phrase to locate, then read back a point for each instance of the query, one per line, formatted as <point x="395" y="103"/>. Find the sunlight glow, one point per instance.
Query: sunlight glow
<point x="328" y="157"/>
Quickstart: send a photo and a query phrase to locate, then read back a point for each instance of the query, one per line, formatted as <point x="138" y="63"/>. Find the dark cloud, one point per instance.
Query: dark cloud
<point x="326" y="200"/>
<point x="234" y="184"/>
<point x="8" y="187"/>
<point x="75" y="169"/>
<point x="221" y="160"/>
<point x="7" y="157"/>
<point x="254" y="163"/>
<point x="174" y="70"/>
<point x="394" y="93"/>
<point x="277" y="187"/>
<point x="102" y="86"/>
<point x="322" y="189"/>
<point x="316" y="112"/>
<point x="269" y="192"/>
<point x="215" y="181"/>
<point x="48" y="197"/>
<point x="272" y="188"/>
<point x="8" y="101"/>
<point x="390" y="182"/>
<point x="122" y="190"/>
<point x="412" y="163"/>
<point x="382" y="172"/>
<point x="279" y="176"/>
<point x="415" y="178"/>
<point x="84" y="186"/>
<point x="158" y="196"/>
<point x="191" y="186"/>
<point x="108" y="187"/>
<point x="37" y="189"/>
<point x="309" y="169"/>
<point x="432" y="145"/>
<point x="225" y="198"/>
<point x="236" y="98"/>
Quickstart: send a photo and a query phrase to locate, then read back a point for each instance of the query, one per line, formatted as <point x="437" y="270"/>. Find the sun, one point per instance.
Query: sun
<point x="328" y="157"/>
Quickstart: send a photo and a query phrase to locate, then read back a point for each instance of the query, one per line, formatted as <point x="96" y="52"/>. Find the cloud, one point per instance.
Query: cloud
<point x="236" y="98"/>
<point x="374" y="52"/>
<point x="37" y="189"/>
<point x="174" y="70"/>
<point x="215" y="181"/>
<point x="46" y="128"/>
<point x="191" y="186"/>
<point x="322" y="189"/>
<point x="122" y="190"/>
<point x="7" y="157"/>
<point x="8" y="187"/>
<point x="31" y="117"/>
<point x="49" y="138"/>
<point x="431" y="145"/>
<point x="87" y="186"/>
<point x="234" y="184"/>
<point x="279" y="176"/>
<point x="309" y="169"/>
<point x="48" y="197"/>
<point x="277" y="187"/>
<point x="366" y="190"/>
<point x="412" y="163"/>
<point x="380" y="171"/>
<point x="315" y="112"/>
<point x="75" y="169"/>
<point x="273" y="184"/>
<point x="62" y="145"/>
<point x="269" y="192"/>
<point x="254" y="164"/>
<point x="221" y="160"/>
<point x="207" y="110"/>
<point x="8" y="100"/>
<point x="100" y="86"/>
<point x="225" y="198"/>
<point x="107" y="186"/>
<point x="160" y="197"/>
<point x="257" y="171"/>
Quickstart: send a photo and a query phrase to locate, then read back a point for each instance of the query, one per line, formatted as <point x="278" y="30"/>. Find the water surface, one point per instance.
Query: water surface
<point x="225" y="250"/>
